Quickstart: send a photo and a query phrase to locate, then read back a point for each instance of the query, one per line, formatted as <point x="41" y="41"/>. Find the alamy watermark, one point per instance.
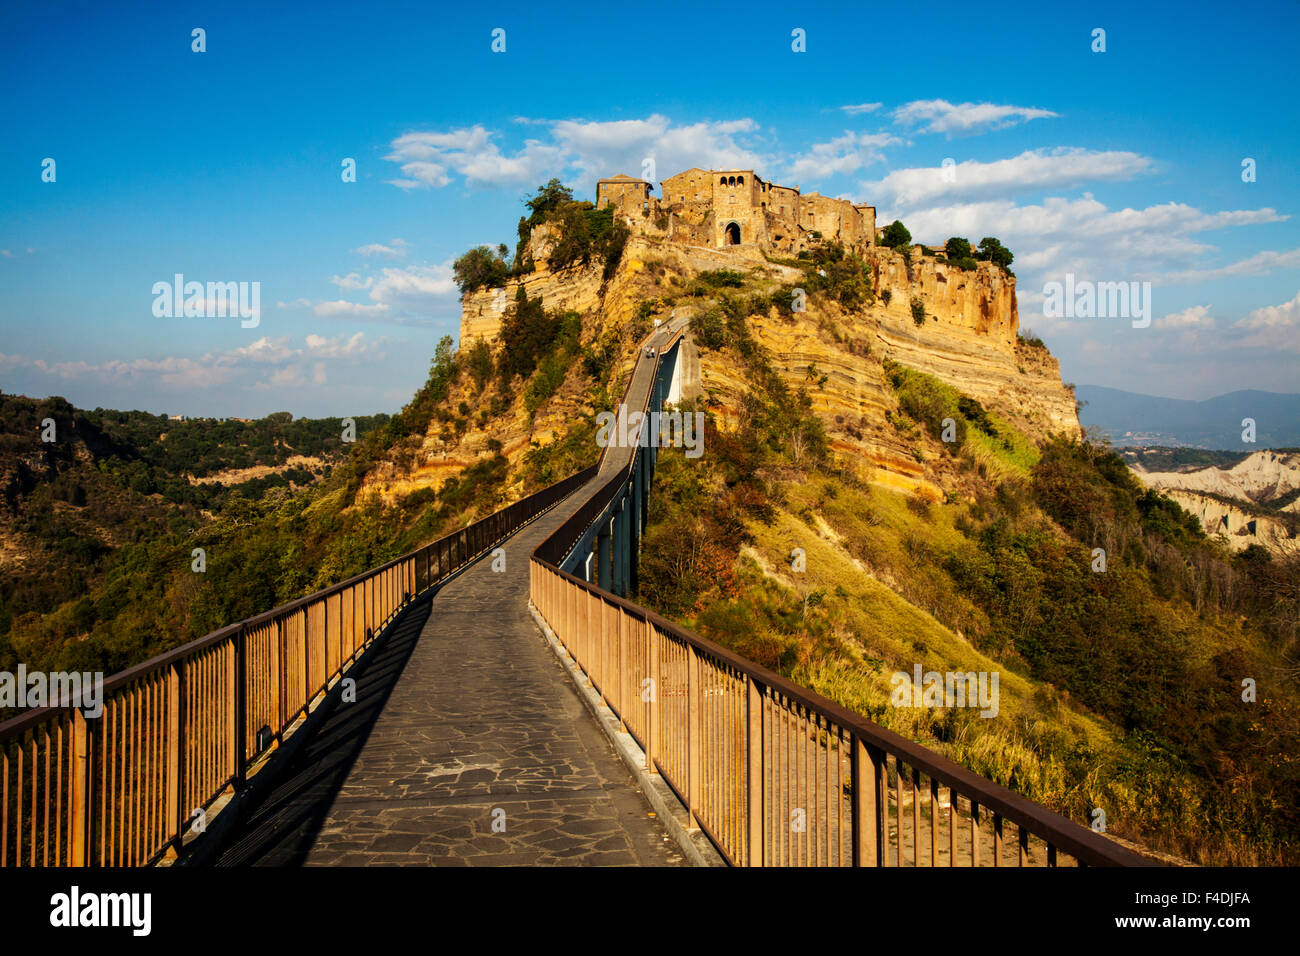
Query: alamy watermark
<point x="24" y="689"/>
<point x="1098" y="300"/>
<point x="960" y="689"/>
<point x="662" y="429"/>
<point x="215" y="300"/>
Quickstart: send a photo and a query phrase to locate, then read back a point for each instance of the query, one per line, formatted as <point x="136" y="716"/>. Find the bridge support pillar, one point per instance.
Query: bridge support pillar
<point x="647" y="472"/>
<point x="619" y="570"/>
<point x="602" y="557"/>
<point x="636" y="503"/>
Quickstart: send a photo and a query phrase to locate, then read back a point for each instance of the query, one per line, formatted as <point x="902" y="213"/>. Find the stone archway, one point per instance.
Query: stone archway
<point x="732" y="234"/>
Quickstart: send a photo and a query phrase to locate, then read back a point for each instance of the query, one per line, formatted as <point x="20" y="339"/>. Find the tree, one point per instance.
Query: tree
<point x="479" y="268"/>
<point x="957" y="248"/>
<point x="993" y="251"/>
<point x="918" y="310"/>
<point x="548" y="199"/>
<point x="896" y="234"/>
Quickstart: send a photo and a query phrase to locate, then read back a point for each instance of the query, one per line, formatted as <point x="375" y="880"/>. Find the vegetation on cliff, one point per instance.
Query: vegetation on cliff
<point x="1122" y="688"/>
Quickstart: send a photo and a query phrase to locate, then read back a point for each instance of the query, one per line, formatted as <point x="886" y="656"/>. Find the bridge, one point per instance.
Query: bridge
<point x="493" y="698"/>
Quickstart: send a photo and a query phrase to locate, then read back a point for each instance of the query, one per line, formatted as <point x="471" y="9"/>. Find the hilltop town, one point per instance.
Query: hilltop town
<point x="719" y="208"/>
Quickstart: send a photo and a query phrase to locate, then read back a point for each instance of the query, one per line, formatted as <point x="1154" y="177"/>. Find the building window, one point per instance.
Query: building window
<point x="722" y="181"/>
<point x="740" y="180"/>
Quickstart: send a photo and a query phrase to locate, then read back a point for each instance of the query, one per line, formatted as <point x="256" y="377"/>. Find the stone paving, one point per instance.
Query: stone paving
<point x="467" y="745"/>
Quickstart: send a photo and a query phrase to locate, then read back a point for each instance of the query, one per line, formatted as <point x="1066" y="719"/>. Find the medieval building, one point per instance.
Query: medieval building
<point x="734" y="207"/>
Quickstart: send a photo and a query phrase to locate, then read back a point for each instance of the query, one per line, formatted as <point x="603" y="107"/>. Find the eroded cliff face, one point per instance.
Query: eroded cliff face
<point x="1241" y="528"/>
<point x="1236" y="502"/>
<point x="968" y="339"/>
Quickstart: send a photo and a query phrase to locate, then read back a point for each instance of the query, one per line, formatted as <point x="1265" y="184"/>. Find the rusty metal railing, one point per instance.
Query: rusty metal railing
<point x="181" y="729"/>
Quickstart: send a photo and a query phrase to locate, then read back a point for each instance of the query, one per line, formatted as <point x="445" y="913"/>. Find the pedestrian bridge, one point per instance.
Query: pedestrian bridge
<point x="461" y="704"/>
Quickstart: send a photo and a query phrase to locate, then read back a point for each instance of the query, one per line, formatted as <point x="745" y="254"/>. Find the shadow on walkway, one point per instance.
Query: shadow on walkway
<point x="280" y="829"/>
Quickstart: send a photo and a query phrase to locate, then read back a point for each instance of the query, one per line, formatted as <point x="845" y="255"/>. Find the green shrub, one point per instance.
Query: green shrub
<point x="895" y="235"/>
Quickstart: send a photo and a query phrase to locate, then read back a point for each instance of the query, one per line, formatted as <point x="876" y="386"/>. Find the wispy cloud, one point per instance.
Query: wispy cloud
<point x="429" y="159"/>
<point x="577" y="149"/>
<point x="1261" y="263"/>
<point x="858" y="109"/>
<point x="1273" y="327"/>
<point x="954" y="119"/>
<point x="842" y="155"/>
<point x="277" y="359"/>
<point x="1195" y="317"/>
<point x="1033" y="169"/>
<point x="396" y="249"/>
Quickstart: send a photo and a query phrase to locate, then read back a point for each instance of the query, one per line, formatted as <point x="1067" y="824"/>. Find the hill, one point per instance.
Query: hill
<point x="1130" y="418"/>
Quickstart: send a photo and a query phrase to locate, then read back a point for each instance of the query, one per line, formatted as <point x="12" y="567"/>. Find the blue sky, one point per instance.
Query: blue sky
<point x="225" y="166"/>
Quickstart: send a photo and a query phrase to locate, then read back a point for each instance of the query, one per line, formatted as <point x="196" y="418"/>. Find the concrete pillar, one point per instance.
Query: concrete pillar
<point x="636" y="503"/>
<point x="646" y="472"/>
<point x="638" y="470"/>
<point x="602" y="556"/>
<point x="620" y="548"/>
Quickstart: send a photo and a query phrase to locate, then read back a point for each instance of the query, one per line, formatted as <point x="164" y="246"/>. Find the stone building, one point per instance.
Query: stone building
<point x="736" y="207"/>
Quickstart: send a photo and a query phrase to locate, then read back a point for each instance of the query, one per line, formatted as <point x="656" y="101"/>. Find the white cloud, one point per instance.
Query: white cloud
<point x="859" y="108"/>
<point x="1032" y="169"/>
<point x="265" y="350"/>
<point x="295" y="304"/>
<point x="1082" y="236"/>
<point x="340" y="307"/>
<point x="352" y="281"/>
<point x="427" y="159"/>
<point x="288" y="377"/>
<point x="622" y="146"/>
<point x="1261" y="263"/>
<point x="415" y="282"/>
<point x="342" y="346"/>
<point x="580" y="151"/>
<point x="396" y="249"/>
<point x="940" y="116"/>
<point x="844" y="154"/>
<point x="237" y="365"/>
<point x="1273" y="327"/>
<point x="1195" y="317"/>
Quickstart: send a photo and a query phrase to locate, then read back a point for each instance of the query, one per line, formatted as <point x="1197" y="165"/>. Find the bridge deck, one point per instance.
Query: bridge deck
<point x="464" y="710"/>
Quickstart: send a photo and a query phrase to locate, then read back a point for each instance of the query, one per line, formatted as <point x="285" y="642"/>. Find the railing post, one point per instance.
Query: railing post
<point x="240" y="748"/>
<point x="868" y="846"/>
<point x="234" y="716"/>
<point x="79" y="798"/>
<point x="652" y="724"/>
<point x="276" y="645"/>
<point x="693" y="736"/>
<point x="175" y="756"/>
<point x="754" y="770"/>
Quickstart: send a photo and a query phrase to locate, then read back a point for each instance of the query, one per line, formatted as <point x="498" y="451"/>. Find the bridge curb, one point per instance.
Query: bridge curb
<point x="695" y="846"/>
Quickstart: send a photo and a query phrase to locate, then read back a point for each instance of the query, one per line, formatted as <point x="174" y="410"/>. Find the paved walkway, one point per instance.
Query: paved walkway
<point x="464" y="719"/>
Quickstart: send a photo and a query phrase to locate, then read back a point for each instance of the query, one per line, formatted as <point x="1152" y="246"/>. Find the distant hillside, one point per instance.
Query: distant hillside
<point x="95" y="519"/>
<point x="1130" y="418"/>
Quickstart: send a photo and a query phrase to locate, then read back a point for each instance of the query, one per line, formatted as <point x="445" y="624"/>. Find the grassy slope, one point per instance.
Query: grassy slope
<point x="879" y="595"/>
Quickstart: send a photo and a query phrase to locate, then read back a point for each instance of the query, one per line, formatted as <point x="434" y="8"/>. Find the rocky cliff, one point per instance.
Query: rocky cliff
<point x="968" y="339"/>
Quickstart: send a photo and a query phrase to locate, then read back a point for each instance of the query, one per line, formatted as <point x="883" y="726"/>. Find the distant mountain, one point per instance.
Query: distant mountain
<point x="1130" y="418"/>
